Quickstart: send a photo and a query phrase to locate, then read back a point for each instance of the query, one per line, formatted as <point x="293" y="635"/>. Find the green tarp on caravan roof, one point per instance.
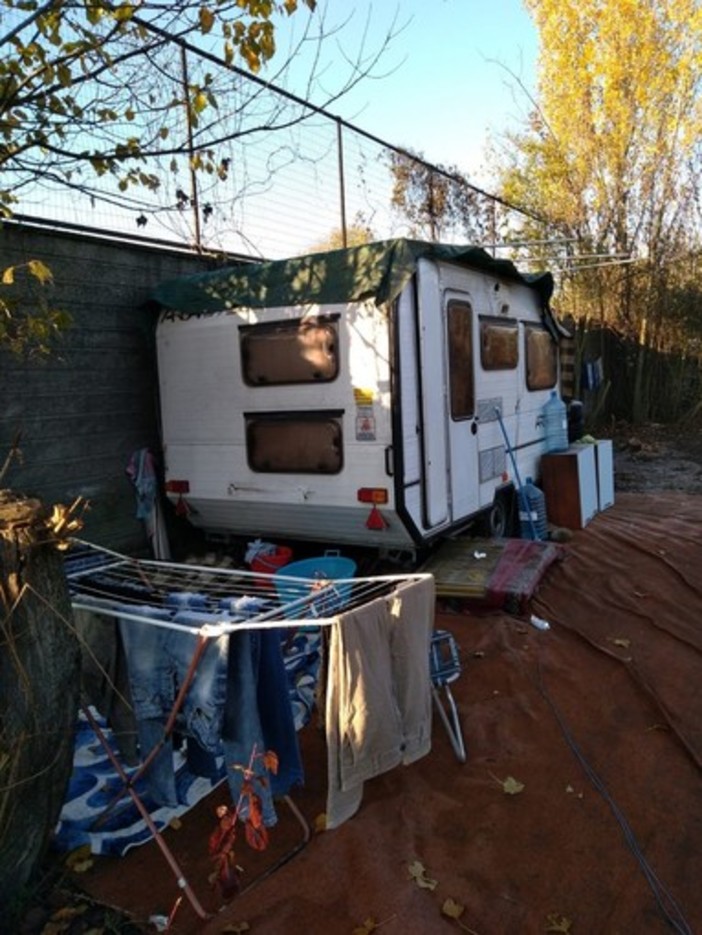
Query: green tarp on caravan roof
<point x="376" y="271"/>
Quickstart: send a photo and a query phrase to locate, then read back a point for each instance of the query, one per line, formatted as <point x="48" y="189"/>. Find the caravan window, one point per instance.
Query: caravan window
<point x="541" y="358"/>
<point x="499" y="344"/>
<point x="294" y="351"/>
<point x="459" y="324"/>
<point x="294" y="442"/>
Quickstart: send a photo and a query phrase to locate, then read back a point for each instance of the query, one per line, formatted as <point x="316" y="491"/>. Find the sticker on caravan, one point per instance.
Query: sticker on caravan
<point x="363" y="397"/>
<point x="365" y="426"/>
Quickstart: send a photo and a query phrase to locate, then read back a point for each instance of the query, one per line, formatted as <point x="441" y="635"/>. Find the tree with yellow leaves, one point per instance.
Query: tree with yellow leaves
<point x="611" y="153"/>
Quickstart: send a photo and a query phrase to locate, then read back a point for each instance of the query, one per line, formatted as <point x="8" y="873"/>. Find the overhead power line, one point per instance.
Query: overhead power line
<point x="340" y="121"/>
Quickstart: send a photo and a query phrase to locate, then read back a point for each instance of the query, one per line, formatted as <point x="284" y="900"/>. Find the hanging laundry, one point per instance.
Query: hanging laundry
<point x="141" y="470"/>
<point x="378" y="705"/>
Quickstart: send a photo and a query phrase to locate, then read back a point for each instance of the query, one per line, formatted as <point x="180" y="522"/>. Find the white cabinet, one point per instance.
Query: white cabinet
<point x="569" y="482"/>
<point x="604" y="465"/>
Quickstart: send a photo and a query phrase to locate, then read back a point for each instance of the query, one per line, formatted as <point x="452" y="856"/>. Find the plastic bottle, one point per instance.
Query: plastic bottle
<point x="555" y="418"/>
<point x="532" y="512"/>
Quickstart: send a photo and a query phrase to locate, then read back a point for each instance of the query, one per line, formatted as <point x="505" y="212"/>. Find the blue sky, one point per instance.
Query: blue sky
<point x="443" y="84"/>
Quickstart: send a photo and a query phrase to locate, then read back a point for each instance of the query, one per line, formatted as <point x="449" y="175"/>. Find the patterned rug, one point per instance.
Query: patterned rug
<point x="492" y="572"/>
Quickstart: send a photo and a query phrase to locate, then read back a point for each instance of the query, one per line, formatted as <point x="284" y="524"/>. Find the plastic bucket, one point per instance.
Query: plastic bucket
<point x="269" y="563"/>
<point x="326" y="568"/>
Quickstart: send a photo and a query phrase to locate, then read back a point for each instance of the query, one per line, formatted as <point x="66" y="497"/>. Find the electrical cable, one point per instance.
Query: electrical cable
<point x="666" y="902"/>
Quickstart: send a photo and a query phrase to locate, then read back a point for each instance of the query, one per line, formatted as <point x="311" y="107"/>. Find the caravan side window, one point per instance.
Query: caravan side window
<point x="459" y="326"/>
<point x="294" y="442"/>
<point x="541" y="358"/>
<point x="297" y="351"/>
<point x="499" y="344"/>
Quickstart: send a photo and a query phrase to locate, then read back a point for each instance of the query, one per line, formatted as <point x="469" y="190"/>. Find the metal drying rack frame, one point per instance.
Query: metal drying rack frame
<point x="207" y="601"/>
<point x="221" y="599"/>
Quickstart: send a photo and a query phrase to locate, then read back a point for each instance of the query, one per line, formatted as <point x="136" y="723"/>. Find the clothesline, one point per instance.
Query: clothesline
<point x="212" y="600"/>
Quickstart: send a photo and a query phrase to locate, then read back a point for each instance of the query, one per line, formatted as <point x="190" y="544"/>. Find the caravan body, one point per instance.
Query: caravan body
<point x="371" y="413"/>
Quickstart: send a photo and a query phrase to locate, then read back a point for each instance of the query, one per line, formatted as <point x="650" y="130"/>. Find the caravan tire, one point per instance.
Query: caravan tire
<point x="500" y="520"/>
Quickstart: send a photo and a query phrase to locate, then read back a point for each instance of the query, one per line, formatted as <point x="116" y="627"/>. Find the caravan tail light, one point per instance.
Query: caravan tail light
<point x="372" y="495"/>
<point x="178" y="486"/>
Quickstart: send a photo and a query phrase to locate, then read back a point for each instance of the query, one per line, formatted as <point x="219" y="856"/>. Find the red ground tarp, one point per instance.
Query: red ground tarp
<point x="578" y="809"/>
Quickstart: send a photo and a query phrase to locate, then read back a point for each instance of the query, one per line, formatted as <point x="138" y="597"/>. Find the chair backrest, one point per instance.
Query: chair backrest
<point x="444" y="658"/>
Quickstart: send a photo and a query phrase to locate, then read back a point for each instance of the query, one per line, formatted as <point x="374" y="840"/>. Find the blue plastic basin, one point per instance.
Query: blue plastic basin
<point x="324" y="568"/>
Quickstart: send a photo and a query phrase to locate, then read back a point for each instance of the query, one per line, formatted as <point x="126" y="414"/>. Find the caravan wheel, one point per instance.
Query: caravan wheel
<point x="500" y="519"/>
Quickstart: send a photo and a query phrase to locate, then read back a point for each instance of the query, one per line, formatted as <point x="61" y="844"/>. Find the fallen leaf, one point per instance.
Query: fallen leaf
<point x="175" y="823"/>
<point x="621" y="641"/>
<point x="452" y="909"/>
<point x="368" y="926"/>
<point x="455" y="910"/>
<point x="320" y="822"/>
<point x="512" y="786"/>
<point x="558" y="923"/>
<point x="417" y="873"/>
<point x="236" y="928"/>
<point x="78" y="856"/>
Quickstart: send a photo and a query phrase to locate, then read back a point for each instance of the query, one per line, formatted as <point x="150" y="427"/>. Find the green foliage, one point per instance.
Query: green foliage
<point x="76" y="84"/>
<point x="29" y="324"/>
<point x="85" y="89"/>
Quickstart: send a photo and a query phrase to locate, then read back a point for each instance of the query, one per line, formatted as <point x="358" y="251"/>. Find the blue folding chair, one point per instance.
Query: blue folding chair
<point x="445" y="668"/>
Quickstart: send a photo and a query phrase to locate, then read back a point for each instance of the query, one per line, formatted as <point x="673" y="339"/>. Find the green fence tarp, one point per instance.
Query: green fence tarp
<point x="376" y="271"/>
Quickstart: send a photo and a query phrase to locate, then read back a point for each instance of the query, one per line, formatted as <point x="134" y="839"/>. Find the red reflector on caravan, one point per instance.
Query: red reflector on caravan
<point x="178" y="486"/>
<point x="376" y="520"/>
<point x="372" y="495"/>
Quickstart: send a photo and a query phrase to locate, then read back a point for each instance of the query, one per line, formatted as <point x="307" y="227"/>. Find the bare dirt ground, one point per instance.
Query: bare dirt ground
<point x="646" y="459"/>
<point x="657" y="457"/>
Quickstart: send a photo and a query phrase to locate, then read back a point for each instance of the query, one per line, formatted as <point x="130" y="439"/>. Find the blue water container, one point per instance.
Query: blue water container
<point x="555" y="417"/>
<point x="533" y="520"/>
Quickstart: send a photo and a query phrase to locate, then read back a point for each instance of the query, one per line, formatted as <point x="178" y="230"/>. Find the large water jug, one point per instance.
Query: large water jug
<point x="533" y="520"/>
<point x="555" y="417"/>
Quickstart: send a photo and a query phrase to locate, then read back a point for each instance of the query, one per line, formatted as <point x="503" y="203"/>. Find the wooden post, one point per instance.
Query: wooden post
<point x="39" y="690"/>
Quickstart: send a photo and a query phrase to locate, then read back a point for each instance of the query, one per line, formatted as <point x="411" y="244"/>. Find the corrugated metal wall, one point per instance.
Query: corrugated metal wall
<point x="84" y="411"/>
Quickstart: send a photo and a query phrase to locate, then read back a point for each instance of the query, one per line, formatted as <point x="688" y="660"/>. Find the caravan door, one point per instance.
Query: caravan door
<point x="448" y="400"/>
<point x="463" y="426"/>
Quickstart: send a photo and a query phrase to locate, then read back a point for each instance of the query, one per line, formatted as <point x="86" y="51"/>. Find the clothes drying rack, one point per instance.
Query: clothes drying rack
<point x="222" y="601"/>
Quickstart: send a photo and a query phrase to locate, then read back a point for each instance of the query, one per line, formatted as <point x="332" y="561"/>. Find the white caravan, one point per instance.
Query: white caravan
<point x="378" y="396"/>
